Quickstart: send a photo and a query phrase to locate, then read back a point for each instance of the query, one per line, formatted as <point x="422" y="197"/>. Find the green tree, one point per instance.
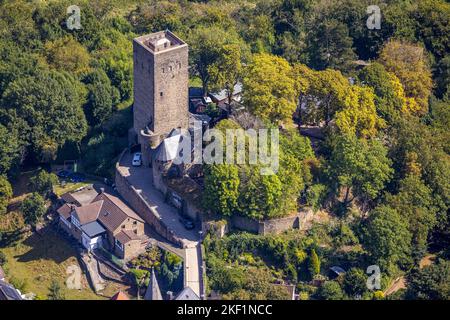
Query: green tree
<point x="354" y="282"/>
<point x="414" y="202"/>
<point x="102" y="97"/>
<point x="330" y="46"/>
<point x="387" y="238"/>
<point x="140" y="277"/>
<point x="389" y="95"/>
<point x="330" y="290"/>
<point x="259" y="32"/>
<point x="10" y="149"/>
<point x="6" y="193"/>
<point x="442" y="78"/>
<point x="114" y="56"/>
<point x="259" y="195"/>
<point x="221" y="189"/>
<point x="359" y="166"/>
<point x="430" y="283"/>
<point x="313" y="264"/>
<point x="327" y="94"/>
<point x="47" y="110"/>
<point x="431" y="18"/>
<point x="269" y="90"/>
<point x="156" y="15"/>
<point x="33" y="208"/>
<point x="43" y="183"/>
<point x="55" y="291"/>
<point x="227" y="70"/>
<point x="210" y="47"/>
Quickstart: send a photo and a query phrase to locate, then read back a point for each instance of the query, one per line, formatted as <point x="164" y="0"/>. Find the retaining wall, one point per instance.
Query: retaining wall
<point x="140" y="205"/>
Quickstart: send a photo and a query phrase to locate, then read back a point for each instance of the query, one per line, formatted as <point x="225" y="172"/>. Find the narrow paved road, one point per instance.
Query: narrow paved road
<point x="141" y="179"/>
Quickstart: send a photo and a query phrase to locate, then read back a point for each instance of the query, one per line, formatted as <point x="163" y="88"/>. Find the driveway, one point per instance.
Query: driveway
<point x="142" y="180"/>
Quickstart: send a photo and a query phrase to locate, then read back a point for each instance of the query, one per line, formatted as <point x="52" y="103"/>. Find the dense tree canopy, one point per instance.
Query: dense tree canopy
<point x="269" y="89"/>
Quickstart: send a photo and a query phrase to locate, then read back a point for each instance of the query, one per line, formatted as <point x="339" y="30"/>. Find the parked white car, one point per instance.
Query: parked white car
<point x="137" y="159"/>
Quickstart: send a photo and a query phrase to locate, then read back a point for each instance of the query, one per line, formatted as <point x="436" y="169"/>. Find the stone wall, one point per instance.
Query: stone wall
<point x="273" y="226"/>
<point x="245" y="224"/>
<point x="137" y="202"/>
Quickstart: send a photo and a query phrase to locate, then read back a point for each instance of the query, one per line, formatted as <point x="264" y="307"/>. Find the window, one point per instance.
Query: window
<point x="118" y="244"/>
<point x="163" y="70"/>
<point x="75" y="222"/>
<point x="161" y="94"/>
<point x="123" y="226"/>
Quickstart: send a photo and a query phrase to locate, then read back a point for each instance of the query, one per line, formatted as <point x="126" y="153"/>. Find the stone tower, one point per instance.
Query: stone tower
<point x="160" y="88"/>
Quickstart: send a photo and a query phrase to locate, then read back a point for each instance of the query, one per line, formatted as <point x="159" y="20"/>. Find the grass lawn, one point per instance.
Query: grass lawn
<point x="70" y="186"/>
<point x="37" y="260"/>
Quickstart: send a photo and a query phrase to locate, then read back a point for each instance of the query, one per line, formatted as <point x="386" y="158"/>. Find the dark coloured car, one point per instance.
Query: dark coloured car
<point x="187" y="223"/>
<point x="77" y="177"/>
<point x="63" y="174"/>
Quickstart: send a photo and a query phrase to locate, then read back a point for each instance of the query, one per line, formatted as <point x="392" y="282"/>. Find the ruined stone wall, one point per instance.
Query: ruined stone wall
<point x="273" y="226"/>
<point x="245" y="224"/>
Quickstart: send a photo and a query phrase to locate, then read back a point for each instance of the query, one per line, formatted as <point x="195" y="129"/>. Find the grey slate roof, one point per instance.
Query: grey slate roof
<point x="170" y="146"/>
<point x="8" y="292"/>
<point x="93" y="229"/>
<point x="153" y="292"/>
<point x="222" y="95"/>
<point x="187" y="294"/>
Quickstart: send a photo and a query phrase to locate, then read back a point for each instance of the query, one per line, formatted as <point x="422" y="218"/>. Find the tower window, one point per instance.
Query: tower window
<point x="161" y="94"/>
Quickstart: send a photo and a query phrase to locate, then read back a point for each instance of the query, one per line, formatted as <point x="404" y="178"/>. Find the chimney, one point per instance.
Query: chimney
<point x="169" y="295"/>
<point x="102" y="190"/>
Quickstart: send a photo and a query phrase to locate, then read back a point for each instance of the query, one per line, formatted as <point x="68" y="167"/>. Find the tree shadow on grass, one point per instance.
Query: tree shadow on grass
<point x="48" y="246"/>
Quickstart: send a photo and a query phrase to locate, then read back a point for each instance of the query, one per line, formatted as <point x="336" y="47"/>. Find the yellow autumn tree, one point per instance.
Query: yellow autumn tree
<point x="328" y="92"/>
<point x="269" y="89"/>
<point x="67" y="54"/>
<point x="408" y="104"/>
<point x="359" y="116"/>
<point x="409" y="63"/>
<point x="302" y="76"/>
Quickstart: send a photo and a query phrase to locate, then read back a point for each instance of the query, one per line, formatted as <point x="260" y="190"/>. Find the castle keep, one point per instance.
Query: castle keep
<point x="160" y="89"/>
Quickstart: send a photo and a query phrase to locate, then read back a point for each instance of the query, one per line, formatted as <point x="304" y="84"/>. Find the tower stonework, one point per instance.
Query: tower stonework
<point x="160" y="88"/>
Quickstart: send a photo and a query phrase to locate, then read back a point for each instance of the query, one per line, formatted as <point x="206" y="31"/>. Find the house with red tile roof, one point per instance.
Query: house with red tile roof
<point x="106" y="222"/>
<point x="120" y="296"/>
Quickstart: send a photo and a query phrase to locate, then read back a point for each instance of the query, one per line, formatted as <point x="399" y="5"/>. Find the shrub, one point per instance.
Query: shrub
<point x="5" y="193"/>
<point x="33" y="208"/>
<point x="313" y="264"/>
<point x="3" y="259"/>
